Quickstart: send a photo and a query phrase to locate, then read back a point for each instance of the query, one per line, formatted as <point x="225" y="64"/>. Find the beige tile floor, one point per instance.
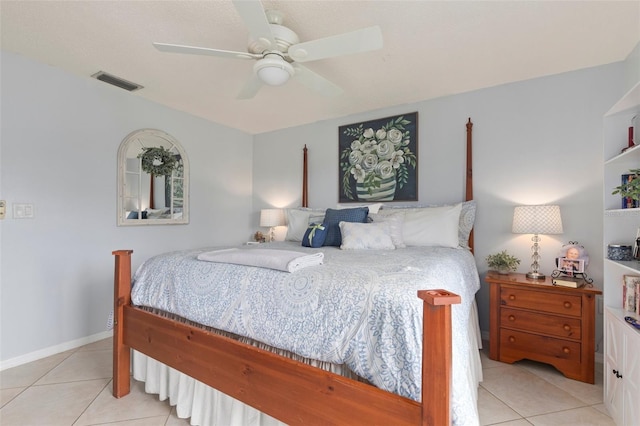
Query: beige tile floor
<point x="74" y="388"/>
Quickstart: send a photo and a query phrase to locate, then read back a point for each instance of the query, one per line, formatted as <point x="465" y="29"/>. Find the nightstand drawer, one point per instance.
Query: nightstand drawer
<point x="517" y="345"/>
<point x="541" y="323"/>
<point x="566" y="304"/>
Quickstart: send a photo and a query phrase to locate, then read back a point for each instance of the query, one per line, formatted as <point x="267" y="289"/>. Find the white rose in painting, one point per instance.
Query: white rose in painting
<point x="394" y="136"/>
<point x="384" y="150"/>
<point x="369" y="161"/>
<point x="368" y="133"/>
<point x="381" y="134"/>
<point x="385" y="169"/>
<point x="355" y="157"/>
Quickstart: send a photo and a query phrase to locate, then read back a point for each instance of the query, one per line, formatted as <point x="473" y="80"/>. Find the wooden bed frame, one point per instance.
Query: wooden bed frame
<point x="288" y="390"/>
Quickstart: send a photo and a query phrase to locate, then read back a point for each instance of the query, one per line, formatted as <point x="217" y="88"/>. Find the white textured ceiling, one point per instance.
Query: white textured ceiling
<point x="431" y="49"/>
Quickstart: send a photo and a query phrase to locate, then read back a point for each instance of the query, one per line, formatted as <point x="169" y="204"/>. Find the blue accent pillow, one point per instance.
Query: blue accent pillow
<point x="134" y="214"/>
<point x="333" y="217"/>
<point x="315" y="235"/>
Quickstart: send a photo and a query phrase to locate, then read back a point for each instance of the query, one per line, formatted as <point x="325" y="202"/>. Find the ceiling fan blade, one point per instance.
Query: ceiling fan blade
<point x="316" y="81"/>
<point x="251" y="88"/>
<point x="252" y="13"/>
<point x="177" y="48"/>
<point x="363" y="40"/>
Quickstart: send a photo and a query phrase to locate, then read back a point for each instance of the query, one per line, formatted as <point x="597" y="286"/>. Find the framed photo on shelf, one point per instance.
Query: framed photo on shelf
<point x="629" y="202"/>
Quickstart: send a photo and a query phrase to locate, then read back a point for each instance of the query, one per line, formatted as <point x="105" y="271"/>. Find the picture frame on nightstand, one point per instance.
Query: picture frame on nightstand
<point x="572" y="262"/>
<point x="570" y="266"/>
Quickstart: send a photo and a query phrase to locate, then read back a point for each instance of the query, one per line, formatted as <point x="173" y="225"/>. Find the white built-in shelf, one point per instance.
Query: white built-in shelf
<point x="632" y="265"/>
<point x="621" y="313"/>
<point x="622" y="212"/>
<point x="629" y="154"/>
<point x="628" y="102"/>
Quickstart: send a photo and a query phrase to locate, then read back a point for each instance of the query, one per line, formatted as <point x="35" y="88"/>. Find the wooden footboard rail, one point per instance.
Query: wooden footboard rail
<point x="290" y="391"/>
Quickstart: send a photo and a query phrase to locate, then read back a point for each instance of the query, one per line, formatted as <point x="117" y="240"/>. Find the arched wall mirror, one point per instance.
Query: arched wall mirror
<point x="153" y="180"/>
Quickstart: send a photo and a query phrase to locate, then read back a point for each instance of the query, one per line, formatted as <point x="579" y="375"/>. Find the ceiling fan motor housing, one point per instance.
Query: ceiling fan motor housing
<point x="283" y="36"/>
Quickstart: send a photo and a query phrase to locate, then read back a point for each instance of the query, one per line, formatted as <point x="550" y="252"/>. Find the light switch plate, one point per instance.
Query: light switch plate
<point x="23" y="211"/>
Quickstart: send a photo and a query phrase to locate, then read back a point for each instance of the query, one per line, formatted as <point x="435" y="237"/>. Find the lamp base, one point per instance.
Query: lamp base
<point x="535" y="276"/>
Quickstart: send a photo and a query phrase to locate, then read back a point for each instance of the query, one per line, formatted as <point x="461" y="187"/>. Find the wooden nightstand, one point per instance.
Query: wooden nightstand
<point x="536" y="320"/>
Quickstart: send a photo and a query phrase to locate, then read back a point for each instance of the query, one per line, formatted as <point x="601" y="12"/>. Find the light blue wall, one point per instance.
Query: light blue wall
<point x="535" y="142"/>
<point x="60" y="136"/>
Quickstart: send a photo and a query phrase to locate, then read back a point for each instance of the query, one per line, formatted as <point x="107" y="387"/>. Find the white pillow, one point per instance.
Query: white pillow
<point x="467" y="220"/>
<point x="373" y="208"/>
<point x="365" y="236"/>
<point x="465" y="225"/>
<point x="157" y="213"/>
<point x="395" y="222"/>
<point x="434" y="226"/>
<point x="298" y="221"/>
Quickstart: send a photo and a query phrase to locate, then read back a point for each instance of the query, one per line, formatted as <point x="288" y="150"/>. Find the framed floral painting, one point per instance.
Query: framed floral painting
<point x="379" y="160"/>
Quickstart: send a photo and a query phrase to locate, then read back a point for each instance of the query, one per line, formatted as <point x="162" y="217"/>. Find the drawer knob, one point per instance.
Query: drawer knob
<point x="512" y="339"/>
<point x="566" y="350"/>
<point x="567" y="327"/>
<point x="512" y="318"/>
<point x="567" y="305"/>
<point x="512" y="297"/>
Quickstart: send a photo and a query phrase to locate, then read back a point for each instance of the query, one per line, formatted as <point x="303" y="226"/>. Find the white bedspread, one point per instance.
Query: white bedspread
<point x="360" y="308"/>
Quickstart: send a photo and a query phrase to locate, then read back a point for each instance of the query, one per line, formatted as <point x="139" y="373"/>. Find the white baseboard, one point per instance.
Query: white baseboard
<point x="52" y="350"/>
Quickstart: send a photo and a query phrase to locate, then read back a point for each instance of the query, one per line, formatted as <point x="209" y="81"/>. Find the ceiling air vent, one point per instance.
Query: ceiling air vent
<point x="117" y="81"/>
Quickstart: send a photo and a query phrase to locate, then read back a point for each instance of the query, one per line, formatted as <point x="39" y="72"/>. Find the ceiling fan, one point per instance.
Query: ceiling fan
<point x="278" y="51"/>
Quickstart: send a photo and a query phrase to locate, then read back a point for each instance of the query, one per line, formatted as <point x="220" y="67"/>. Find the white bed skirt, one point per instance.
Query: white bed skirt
<point x="193" y="399"/>
<point x="206" y="406"/>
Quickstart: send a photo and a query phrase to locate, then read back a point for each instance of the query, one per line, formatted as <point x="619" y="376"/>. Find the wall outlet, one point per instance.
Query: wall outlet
<point x="3" y="209"/>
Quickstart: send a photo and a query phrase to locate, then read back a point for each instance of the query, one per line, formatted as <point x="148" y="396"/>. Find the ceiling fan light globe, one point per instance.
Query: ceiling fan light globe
<point x="273" y="71"/>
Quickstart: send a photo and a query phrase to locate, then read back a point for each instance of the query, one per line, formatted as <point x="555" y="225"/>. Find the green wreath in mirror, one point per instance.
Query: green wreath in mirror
<point x="158" y="161"/>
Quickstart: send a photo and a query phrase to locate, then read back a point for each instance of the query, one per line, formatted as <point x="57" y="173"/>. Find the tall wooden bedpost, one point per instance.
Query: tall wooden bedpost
<point x="305" y="182"/>
<point x="469" y="180"/>
<point x="121" y="298"/>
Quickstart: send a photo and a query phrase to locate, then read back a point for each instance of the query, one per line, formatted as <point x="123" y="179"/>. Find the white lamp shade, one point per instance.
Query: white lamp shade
<point x="271" y="217"/>
<point x="537" y="220"/>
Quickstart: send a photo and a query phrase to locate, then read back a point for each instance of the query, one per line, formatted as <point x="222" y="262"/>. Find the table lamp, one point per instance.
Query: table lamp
<point x="536" y="220"/>
<point x="271" y="218"/>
